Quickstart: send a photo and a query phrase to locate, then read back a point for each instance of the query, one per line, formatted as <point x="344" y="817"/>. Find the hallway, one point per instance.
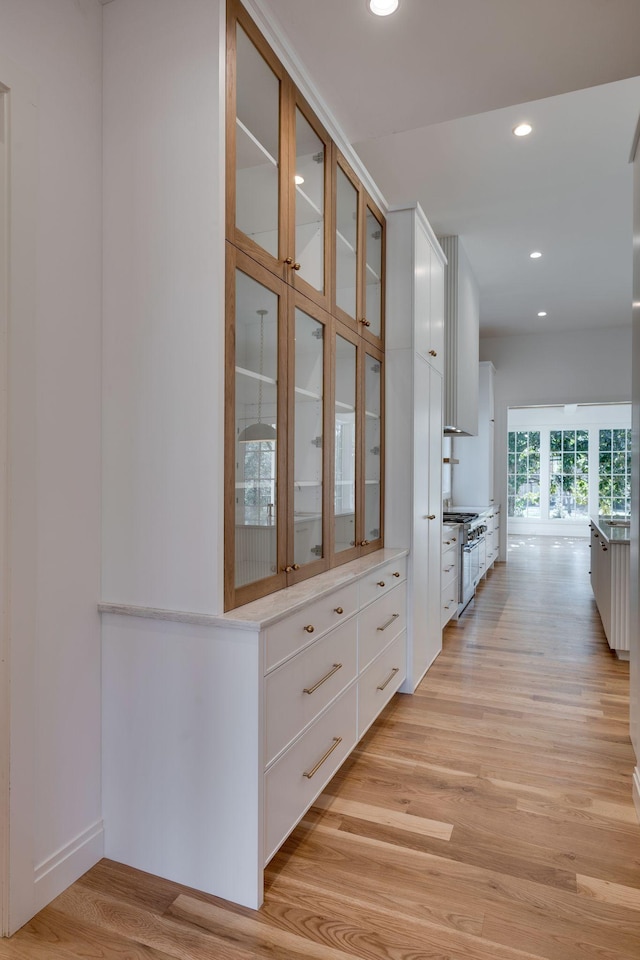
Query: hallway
<point x="488" y="817"/>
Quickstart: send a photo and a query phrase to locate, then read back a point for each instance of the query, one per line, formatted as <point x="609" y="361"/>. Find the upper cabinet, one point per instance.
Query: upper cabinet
<point x="304" y="440"/>
<point x="462" y="338"/>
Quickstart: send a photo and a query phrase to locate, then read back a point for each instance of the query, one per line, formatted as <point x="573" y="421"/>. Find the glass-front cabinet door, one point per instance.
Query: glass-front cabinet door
<point x="373" y="449"/>
<point x="346" y="243"/>
<point x="346" y="456"/>
<point x="308" y="425"/>
<point x="373" y="286"/>
<point x="310" y="206"/>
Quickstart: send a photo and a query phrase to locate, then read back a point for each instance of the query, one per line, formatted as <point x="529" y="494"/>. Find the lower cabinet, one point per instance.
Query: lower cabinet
<point x="254" y="711"/>
<point x="450" y="575"/>
<point x="610" y="585"/>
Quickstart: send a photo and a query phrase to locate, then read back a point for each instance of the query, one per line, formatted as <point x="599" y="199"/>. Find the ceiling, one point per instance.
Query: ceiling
<point x="429" y="97"/>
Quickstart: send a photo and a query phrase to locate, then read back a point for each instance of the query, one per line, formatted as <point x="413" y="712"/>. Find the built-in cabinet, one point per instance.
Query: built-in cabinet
<point x="414" y="346"/>
<point x="610" y="556"/>
<point x="472" y="474"/>
<point x="450" y="578"/>
<point x="276" y="693"/>
<point x="462" y="338"/>
<point x="304" y="397"/>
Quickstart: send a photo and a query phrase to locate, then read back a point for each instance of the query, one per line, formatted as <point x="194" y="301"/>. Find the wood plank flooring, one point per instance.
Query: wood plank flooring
<point x="488" y="817"/>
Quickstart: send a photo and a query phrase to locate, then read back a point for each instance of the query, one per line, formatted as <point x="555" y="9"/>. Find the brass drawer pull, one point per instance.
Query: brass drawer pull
<point x="397" y="573"/>
<point x="381" y="583"/>
<point x="389" y="678"/>
<point x="394" y="616"/>
<point x="310" y="628"/>
<point x="336" y="667"/>
<point x="310" y="773"/>
<point x="339" y="610"/>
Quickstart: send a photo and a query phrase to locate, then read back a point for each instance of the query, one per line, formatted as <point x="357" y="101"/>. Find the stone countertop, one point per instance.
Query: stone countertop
<point x="612" y="529"/>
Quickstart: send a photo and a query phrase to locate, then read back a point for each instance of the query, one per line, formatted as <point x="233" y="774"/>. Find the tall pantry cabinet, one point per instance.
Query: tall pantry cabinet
<point x="414" y="391"/>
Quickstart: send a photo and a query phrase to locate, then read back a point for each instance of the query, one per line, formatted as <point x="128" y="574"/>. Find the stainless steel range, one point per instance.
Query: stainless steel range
<point x="472" y="553"/>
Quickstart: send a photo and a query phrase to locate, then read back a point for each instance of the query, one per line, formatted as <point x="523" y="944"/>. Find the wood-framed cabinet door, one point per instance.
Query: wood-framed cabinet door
<point x="373" y="257"/>
<point x="255" y="419"/>
<point x="309" y="423"/>
<point x="347" y="240"/>
<point x="372" y="439"/>
<point x="257" y="132"/>
<point x="310" y="208"/>
<point x="346" y="462"/>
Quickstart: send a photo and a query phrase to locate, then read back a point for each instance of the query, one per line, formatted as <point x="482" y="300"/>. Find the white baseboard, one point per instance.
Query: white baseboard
<point x="636" y="790"/>
<point x="67" y="864"/>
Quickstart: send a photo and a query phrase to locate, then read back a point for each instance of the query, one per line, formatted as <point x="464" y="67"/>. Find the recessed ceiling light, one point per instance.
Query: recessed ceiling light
<point x="523" y="130"/>
<point x="535" y="255"/>
<point x="542" y="313"/>
<point x="382" y="8"/>
<point x="298" y="180"/>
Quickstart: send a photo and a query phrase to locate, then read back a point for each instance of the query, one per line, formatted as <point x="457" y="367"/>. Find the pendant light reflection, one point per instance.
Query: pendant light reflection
<point x="259" y="432"/>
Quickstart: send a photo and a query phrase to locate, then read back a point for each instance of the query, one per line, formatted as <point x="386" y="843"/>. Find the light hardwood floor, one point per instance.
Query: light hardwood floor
<point x="488" y="817"/>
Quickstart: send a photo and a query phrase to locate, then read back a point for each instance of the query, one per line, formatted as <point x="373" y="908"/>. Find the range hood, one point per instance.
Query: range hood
<point x="462" y="341"/>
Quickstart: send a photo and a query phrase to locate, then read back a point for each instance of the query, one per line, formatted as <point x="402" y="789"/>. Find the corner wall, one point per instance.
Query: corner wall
<point x="553" y="368"/>
<point x="50" y="59"/>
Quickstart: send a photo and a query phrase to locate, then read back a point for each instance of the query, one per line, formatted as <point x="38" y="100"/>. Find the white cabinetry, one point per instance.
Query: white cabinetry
<point x="610" y="554"/>
<point x="450" y="578"/>
<point x="462" y="339"/>
<point x="219" y="732"/>
<point x="473" y="474"/>
<point x="413" y="501"/>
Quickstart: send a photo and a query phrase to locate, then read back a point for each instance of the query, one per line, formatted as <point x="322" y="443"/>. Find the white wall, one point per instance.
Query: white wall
<point x="634" y="592"/>
<point x="587" y="366"/>
<point x="163" y="366"/>
<point x="50" y="58"/>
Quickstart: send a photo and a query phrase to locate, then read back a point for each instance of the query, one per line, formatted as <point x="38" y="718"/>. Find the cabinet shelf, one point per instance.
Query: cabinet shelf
<point x="253" y="375"/>
<point x="261" y="150"/>
<point x="312" y="395"/>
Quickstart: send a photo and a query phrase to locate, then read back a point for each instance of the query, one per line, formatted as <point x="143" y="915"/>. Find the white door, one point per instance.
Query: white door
<point x="419" y="661"/>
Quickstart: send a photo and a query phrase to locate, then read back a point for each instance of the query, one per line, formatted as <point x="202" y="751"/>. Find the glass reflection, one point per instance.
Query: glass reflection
<point x="309" y="202"/>
<point x="345" y="446"/>
<point x="346" y="243"/>
<point x="256" y="397"/>
<point x="309" y="428"/>
<point x="257" y="145"/>
<point x="373" y="274"/>
<point x="372" y="455"/>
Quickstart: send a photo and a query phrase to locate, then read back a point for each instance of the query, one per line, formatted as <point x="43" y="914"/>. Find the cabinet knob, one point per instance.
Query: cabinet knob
<point x="396" y="573"/>
<point x="338" y="610"/>
<point x="296" y="266"/>
<point x="309" y="628"/>
<point x="365" y="543"/>
<point x="365" y="323"/>
<point x="433" y="353"/>
<point x="381" y="583"/>
<point x="604" y="548"/>
<point x="287" y="569"/>
<point x="289" y="261"/>
<point x="447" y="543"/>
<point x="296" y="566"/>
<point x="454" y="539"/>
<point x="430" y="516"/>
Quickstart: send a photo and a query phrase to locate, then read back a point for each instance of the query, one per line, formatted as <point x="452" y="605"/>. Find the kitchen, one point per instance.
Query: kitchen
<point x="138" y="568"/>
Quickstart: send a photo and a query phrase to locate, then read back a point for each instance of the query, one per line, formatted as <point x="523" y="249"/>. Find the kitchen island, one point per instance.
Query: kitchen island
<point x="610" y="579"/>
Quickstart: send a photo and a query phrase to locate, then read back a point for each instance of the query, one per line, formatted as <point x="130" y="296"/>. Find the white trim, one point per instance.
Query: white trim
<point x="4" y="512"/>
<point x="63" y="868"/>
<point x="636" y="790"/>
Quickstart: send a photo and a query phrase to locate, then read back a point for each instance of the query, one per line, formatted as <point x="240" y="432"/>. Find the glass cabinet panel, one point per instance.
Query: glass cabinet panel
<point x="308" y="439"/>
<point x="345" y="446"/>
<point x="257" y="145"/>
<point x="346" y="242"/>
<point x="309" y="202"/>
<point x="373" y="273"/>
<point x="256" y="400"/>
<point x="373" y="447"/>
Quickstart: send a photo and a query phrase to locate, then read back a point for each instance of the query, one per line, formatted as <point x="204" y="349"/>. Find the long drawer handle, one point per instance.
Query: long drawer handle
<point x="389" y="678"/>
<point x="336" y="667"/>
<point x="394" y="616"/>
<point x="310" y="773"/>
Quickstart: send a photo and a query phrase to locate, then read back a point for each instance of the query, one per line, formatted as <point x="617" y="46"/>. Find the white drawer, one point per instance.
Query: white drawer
<point x="449" y="601"/>
<point x="449" y="568"/>
<point x="379" y="623"/>
<point x="450" y="536"/>
<point x="288" y="792"/>
<point x="303" y="686"/>
<point x="292" y="634"/>
<point x="380" y="681"/>
<point x="381" y="580"/>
